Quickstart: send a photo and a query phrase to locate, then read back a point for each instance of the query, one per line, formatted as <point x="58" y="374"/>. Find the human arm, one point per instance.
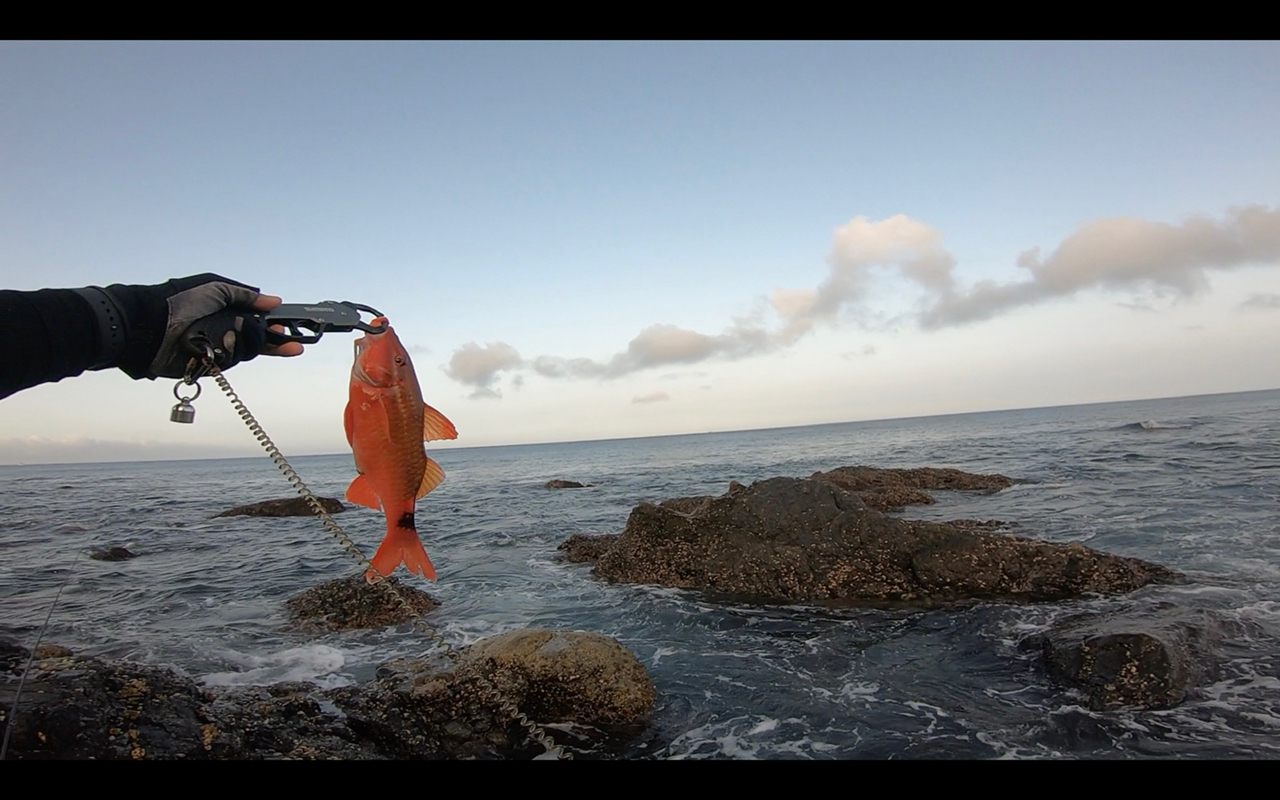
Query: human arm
<point x="51" y="334"/>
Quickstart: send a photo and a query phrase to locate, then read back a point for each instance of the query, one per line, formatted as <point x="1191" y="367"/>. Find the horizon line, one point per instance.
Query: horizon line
<point x="669" y="435"/>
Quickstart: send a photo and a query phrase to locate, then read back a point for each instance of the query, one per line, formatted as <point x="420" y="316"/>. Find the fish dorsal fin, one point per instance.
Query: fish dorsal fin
<point x="432" y="477"/>
<point x="436" y="426"/>
<point x="361" y="493"/>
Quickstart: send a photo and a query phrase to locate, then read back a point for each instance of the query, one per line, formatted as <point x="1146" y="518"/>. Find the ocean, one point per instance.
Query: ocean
<point x="1190" y="483"/>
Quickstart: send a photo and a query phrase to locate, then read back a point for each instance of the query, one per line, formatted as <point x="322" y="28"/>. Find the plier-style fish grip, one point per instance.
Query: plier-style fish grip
<point x="208" y="337"/>
<point x="318" y="318"/>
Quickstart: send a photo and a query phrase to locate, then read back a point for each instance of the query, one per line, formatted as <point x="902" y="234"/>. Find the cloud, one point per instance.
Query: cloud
<point x="1262" y="300"/>
<point x="1116" y="253"/>
<point x="1137" y="305"/>
<point x="672" y="376"/>
<point x="1123" y="253"/>
<point x="663" y="345"/>
<point x="867" y="350"/>
<point x="899" y="244"/>
<point x="652" y="397"/>
<point x="479" y="366"/>
<point x="80" y="449"/>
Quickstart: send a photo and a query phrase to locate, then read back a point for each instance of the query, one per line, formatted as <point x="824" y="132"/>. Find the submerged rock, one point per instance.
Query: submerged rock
<point x="888" y="489"/>
<point x="112" y="554"/>
<point x="349" y="603"/>
<point x="288" y="507"/>
<point x="796" y="540"/>
<point x="1150" y="658"/>
<point x="582" y="547"/>
<point x="561" y="484"/>
<point x="90" y="708"/>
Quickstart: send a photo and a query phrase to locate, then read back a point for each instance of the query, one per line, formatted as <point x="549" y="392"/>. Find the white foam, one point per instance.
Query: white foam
<point x="318" y="664"/>
<point x="855" y="689"/>
<point x="659" y="653"/>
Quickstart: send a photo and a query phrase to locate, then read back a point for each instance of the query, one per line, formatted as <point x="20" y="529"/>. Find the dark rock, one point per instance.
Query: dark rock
<point x="582" y="547"/>
<point x="889" y="489"/>
<point x="112" y="554"/>
<point x="89" y="708"/>
<point x="53" y="651"/>
<point x="288" y="507"/>
<point x="552" y="676"/>
<point x="13" y="656"/>
<point x="559" y="484"/>
<point x="350" y="603"/>
<point x="1150" y="658"/>
<point x="794" y="540"/>
<point x="84" y="708"/>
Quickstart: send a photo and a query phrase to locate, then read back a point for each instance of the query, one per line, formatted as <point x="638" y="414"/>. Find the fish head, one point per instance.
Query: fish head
<point x="381" y="360"/>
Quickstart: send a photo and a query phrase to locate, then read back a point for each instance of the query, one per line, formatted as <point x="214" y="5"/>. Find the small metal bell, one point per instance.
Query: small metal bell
<point x="183" y="412"/>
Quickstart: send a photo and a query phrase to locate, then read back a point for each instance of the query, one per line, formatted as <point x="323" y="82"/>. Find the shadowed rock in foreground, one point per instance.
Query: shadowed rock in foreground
<point x="795" y="540"/>
<point x="888" y="489"/>
<point x="84" y="708"/>
<point x="1150" y="658"/>
<point x="349" y="603"/>
<point x="288" y="507"/>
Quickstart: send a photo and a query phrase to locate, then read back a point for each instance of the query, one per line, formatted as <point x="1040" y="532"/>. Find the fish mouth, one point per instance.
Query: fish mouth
<point x="357" y="369"/>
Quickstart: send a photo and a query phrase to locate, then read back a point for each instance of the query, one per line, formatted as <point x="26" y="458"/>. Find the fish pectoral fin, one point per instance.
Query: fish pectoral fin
<point x="436" y="425"/>
<point x="432" y="477"/>
<point x="361" y="493"/>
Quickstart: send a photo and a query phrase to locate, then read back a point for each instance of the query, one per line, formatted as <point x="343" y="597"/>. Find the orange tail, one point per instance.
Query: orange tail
<point x="402" y="546"/>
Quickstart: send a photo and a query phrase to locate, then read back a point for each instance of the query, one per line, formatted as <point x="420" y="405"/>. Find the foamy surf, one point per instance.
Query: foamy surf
<point x="317" y="663"/>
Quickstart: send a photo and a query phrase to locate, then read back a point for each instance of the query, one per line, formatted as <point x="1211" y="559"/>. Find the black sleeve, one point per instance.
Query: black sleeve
<point x="45" y="336"/>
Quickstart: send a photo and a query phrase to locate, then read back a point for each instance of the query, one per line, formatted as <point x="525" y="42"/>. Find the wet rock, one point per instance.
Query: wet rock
<point x="554" y="677"/>
<point x="13" y="656"/>
<point x="565" y="676"/>
<point x="889" y="489"/>
<point x="112" y="554"/>
<point x="581" y="547"/>
<point x="81" y="708"/>
<point x="1150" y="658"/>
<point x="350" y="603"/>
<point x="559" y="484"/>
<point x="84" y="708"/>
<point x="795" y="540"/>
<point x="288" y="507"/>
<point x="53" y="651"/>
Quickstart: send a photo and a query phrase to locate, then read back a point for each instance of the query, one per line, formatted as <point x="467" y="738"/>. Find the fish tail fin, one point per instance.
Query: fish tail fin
<point x="402" y="546"/>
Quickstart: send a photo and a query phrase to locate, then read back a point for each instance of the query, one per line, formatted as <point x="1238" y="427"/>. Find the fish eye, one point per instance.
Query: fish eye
<point x="399" y="361"/>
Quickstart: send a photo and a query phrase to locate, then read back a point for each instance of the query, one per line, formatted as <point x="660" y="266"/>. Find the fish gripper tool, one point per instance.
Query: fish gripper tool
<point x="318" y="318"/>
<point x="207" y="336"/>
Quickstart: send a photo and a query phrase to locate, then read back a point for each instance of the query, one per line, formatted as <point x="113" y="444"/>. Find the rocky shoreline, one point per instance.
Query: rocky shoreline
<point x="822" y="539"/>
<point x="792" y="540"/>
<point x="87" y="708"/>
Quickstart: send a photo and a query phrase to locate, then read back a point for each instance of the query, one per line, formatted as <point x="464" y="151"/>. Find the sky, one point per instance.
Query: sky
<point x="592" y="240"/>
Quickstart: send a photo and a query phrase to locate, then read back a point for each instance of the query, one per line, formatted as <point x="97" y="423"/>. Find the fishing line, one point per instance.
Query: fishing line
<point x="534" y="730"/>
<point x="13" y="710"/>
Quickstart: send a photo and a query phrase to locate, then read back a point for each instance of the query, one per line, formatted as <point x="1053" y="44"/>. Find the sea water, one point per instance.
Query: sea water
<point x="1190" y="483"/>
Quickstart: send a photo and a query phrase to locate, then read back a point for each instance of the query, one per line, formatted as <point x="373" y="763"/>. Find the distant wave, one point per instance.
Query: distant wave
<point x="1151" y="425"/>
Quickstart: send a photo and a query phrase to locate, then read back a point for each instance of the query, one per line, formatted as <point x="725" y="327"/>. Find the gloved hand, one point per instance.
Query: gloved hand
<point x="157" y="317"/>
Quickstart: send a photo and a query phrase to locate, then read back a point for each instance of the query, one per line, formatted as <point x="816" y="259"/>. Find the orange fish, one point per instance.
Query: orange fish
<point x="387" y="422"/>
